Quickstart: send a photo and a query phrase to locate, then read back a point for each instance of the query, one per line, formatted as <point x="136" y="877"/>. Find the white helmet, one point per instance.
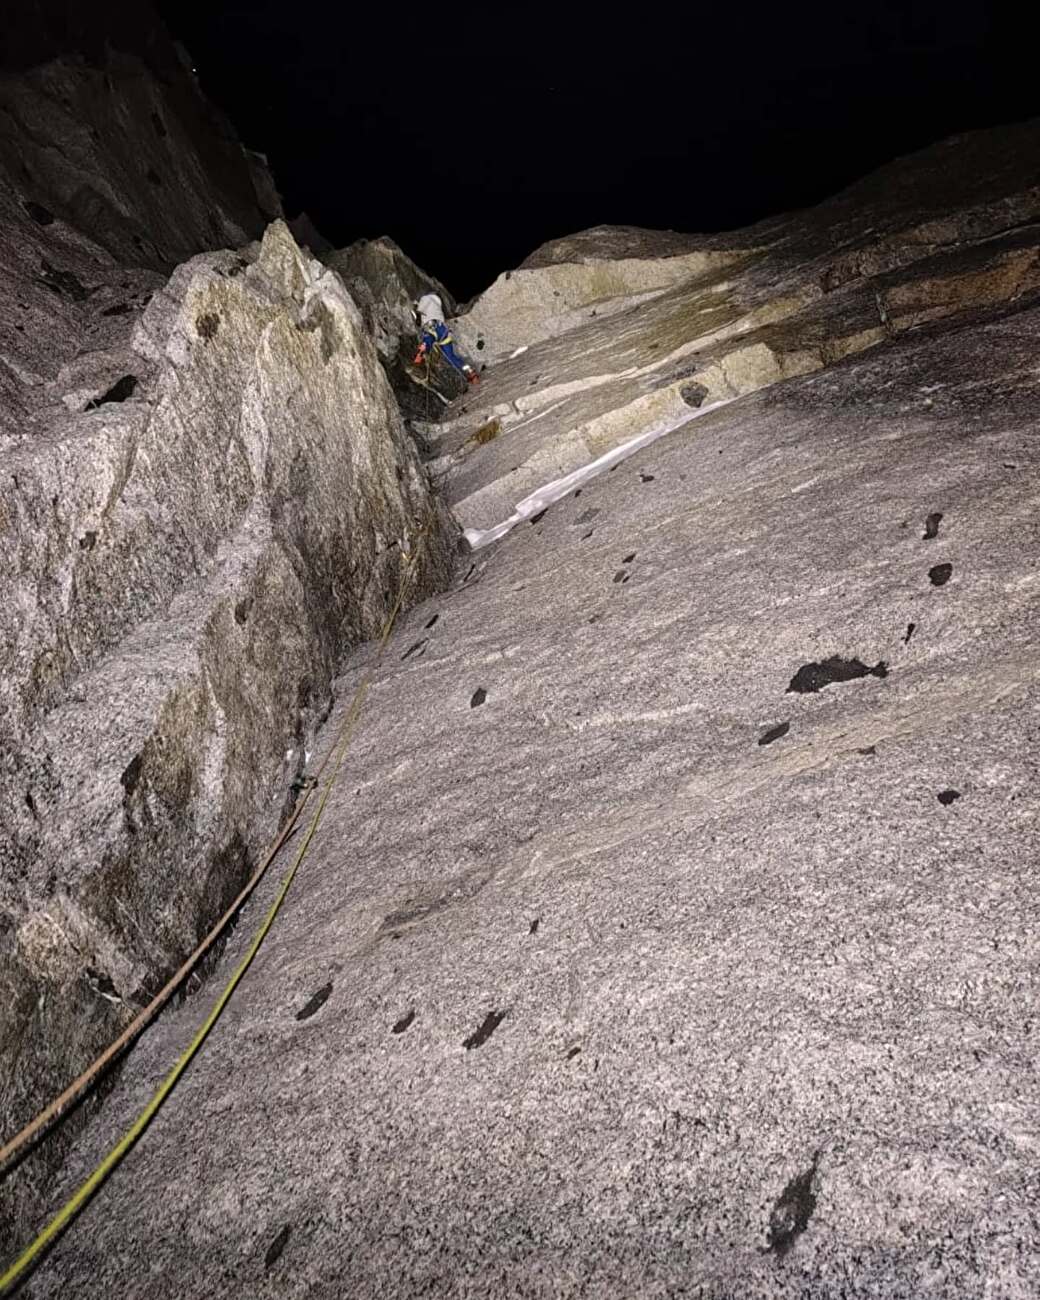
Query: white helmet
<point x="430" y="307"/>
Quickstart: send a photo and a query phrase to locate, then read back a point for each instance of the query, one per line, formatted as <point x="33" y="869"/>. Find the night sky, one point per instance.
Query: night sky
<point x="472" y="134"/>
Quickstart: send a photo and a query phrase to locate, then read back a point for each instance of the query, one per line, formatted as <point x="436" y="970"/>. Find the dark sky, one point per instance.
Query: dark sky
<point x="471" y="134"/>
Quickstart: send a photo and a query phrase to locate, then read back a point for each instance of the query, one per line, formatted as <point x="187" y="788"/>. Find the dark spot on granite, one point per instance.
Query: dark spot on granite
<point x="577" y="493"/>
<point x="629" y="558"/>
<point x="621" y="576"/>
<point x="814" y="677"/>
<point x="418" y="648"/>
<point x="939" y="574"/>
<point x="274" y="1250"/>
<point x="119" y="309"/>
<point x="868" y="751"/>
<point x="947" y="797"/>
<point x="119" y="392"/>
<point x="41" y="215"/>
<point x="910" y="629"/>
<point x="791" y="1214"/>
<point x="401" y="1025"/>
<point x="774" y="733"/>
<point x="430" y="624"/>
<point x="478" y="698"/>
<point x="491" y="1022"/>
<point x="586" y="536"/>
<point x="575" y="1051"/>
<point x="101" y="981"/>
<point x="931" y="526"/>
<point x="480" y="345"/>
<point x="242" y="609"/>
<point x="645" y="478"/>
<point x="539" y="515"/>
<point x="693" y="394"/>
<point x="207" y="324"/>
<point x="63" y="283"/>
<point x="463" y="890"/>
<point x="88" y="541"/>
<point x="132" y="774"/>
<point x="534" y="925"/>
<point x="315" y="1003"/>
<point x="154" y="177"/>
<point x="30" y="803"/>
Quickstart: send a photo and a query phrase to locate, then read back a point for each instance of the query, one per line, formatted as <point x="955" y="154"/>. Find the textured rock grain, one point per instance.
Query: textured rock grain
<point x="623" y="329"/>
<point x="622" y="1002"/>
<point x="185" y="569"/>
<point x="104" y="130"/>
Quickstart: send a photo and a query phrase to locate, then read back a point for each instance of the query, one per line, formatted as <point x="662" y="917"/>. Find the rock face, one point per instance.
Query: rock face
<point x="206" y="495"/>
<point x="103" y="128"/>
<point x="203" y="508"/>
<point x="673" y="929"/>
<point x="625" y="330"/>
<point x="677" y="922"/>
<point x="385" y="283"/>
<point x="593" y="274"/>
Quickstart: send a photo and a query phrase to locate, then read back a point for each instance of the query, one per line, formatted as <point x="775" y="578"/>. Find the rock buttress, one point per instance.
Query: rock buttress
<point x="185" y="569"/>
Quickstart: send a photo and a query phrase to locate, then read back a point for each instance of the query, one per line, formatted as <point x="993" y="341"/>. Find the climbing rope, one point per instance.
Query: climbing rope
<point x="79" y="1199"/>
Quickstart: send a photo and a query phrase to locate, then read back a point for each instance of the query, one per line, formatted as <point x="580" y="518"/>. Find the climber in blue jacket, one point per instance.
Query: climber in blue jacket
<point x="435" y="334"/>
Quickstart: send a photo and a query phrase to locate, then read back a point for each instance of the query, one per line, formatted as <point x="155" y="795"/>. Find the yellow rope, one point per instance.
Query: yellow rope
<point x="80" y="1198"/>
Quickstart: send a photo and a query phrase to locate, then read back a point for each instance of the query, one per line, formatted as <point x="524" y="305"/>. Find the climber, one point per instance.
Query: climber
<point x="435" y="334"/>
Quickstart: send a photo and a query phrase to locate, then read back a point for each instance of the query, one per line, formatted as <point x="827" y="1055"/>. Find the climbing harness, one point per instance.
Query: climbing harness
<point x="435" y="335"/>
<point x="334" y="758"/>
